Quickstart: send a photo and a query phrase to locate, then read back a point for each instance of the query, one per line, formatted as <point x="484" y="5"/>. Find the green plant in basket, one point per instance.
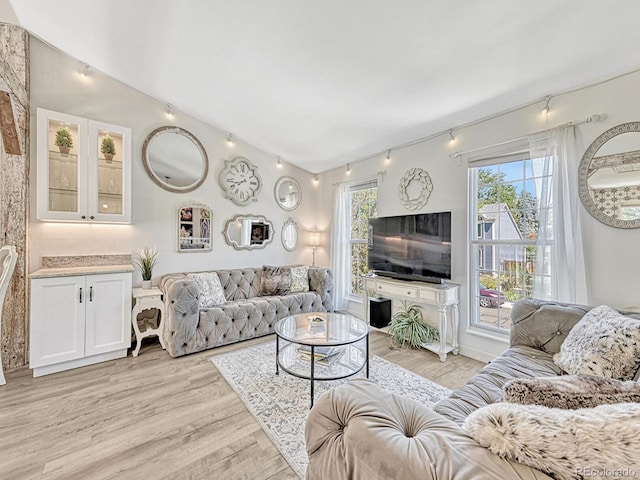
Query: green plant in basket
<point x="145" y="259"/>
<point x="407" y="328"/>
<point x="108" y="146"/>
<point x="64" y="138"/>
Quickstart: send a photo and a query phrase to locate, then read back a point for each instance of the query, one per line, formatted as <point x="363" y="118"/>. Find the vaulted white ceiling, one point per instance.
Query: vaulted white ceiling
<point x="321" y="83"/>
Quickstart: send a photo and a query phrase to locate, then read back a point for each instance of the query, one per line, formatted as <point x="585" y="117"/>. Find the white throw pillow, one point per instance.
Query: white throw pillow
<point x="605" y="343"/>
<point x="568" y="444"/>
<point x="210" y="288"/>
<point x="299" y="279"/>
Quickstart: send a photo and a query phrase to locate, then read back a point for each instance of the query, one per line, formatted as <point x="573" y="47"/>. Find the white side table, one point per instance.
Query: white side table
<point x="146" y="299"/>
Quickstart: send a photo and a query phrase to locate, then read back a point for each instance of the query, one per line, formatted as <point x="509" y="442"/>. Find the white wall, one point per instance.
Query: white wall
<point x="56" y="85"/>
<point x="612" y="255"/>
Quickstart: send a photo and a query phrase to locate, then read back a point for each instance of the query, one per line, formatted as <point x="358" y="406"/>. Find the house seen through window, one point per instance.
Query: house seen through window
<point x="510" y="261"/>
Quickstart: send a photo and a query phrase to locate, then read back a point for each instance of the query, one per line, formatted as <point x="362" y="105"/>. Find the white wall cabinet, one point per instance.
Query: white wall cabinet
<point x="79" y="320"/>
<point x="80" y="183"/>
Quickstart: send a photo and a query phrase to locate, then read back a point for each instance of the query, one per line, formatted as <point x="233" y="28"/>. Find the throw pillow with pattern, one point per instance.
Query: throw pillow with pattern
<point x="560" y="442"/>
<point x="211" y="291"/>
<point x="275" y="280"/>
<point x="605" y="343"/>
<point x="299" y="279"/>
<point x="570" y="391"/>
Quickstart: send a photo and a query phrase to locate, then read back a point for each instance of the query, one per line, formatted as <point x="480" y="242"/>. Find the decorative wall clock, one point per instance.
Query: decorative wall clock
<point x="415" y="188"/>
<point x="240" y="181"/>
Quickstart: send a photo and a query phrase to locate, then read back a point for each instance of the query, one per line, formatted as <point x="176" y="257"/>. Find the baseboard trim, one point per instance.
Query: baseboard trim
<point x="80" y="362"/>
<point x="476" y="354"/>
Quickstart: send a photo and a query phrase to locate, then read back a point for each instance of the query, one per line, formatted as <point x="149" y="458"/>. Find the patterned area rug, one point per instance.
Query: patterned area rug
<point x="280" y="403"/>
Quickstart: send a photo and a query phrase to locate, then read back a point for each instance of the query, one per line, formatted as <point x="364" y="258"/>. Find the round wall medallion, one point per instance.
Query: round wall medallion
<point x="415" y="188"/>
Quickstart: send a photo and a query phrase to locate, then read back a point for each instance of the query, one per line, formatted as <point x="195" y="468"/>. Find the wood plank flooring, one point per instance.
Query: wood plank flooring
<point x="155" y="417"/>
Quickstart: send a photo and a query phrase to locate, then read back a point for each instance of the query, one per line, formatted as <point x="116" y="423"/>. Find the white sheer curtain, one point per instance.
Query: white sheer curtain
<point x="340" y="245"/>
<point x="560" y="267"/>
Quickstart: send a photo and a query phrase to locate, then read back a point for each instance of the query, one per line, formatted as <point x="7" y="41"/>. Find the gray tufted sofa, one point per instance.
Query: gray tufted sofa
<point x="359" y="432"/>
<point x="245" y="315"/>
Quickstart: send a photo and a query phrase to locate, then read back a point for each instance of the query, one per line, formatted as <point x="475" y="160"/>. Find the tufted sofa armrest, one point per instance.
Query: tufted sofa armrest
<point x="181" y="311"/>
<point x="321" y="281"/>
<point x="358" y="431"/>
<point x="543" y="324"/>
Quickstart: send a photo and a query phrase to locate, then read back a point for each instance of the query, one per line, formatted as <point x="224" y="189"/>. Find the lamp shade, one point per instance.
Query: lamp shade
<point x="314" y="238"/>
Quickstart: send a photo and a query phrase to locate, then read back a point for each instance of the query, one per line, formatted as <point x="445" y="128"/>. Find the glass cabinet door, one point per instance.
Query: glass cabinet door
<point x="109" y="170"/>
<point x="61" y="166"/>
<point x="84" y="169"/>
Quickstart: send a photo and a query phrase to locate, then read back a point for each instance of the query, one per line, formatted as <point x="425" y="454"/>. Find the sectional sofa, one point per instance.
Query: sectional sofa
<point x="358" y="431"/>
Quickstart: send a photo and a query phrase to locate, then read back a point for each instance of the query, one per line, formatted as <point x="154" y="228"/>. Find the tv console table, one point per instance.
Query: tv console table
<point x="442" y="296"/>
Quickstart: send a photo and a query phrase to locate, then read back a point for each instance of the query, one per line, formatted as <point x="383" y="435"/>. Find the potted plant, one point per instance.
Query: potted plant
<point x="145" y="259"/>
<point x="64" y="140"/>
<point x="108" y="148"/>
<point x="407" y="327"/>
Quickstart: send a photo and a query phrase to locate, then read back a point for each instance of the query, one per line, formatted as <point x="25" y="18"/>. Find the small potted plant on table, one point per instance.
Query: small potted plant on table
<point x="145" y="259"/>
<point x="407" y="327"/>
<point x="64" y="140"/>
<point x="108" y="148"/>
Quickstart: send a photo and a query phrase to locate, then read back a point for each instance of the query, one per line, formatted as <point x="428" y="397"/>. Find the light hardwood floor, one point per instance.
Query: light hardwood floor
<point x="155" y="417"/>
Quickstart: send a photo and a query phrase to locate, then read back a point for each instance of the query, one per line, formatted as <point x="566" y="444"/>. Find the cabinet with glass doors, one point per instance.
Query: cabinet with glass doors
<point x="84" y="169"/>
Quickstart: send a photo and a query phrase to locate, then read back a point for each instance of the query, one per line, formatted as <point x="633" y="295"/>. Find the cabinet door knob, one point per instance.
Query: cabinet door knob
<point x="91" y="294"/>
<point x="83" y="217"/>
<point x="80" y="296"/>
<point x="92" y="217"/>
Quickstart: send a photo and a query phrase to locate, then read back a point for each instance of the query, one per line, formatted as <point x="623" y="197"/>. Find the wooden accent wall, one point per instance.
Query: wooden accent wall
<point x="14" y="186"/>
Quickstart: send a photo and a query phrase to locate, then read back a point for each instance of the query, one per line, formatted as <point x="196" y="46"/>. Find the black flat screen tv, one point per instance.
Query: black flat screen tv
<point x="411" y="247"/>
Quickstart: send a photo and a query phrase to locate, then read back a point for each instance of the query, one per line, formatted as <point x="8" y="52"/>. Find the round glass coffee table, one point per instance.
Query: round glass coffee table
<point x="322" y="346"/>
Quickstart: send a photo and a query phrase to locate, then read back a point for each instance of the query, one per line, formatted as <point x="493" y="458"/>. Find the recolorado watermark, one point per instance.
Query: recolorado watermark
<point x="589" y="472"/>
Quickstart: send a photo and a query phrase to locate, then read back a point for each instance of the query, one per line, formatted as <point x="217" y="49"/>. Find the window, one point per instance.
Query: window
<point x="508" y="257"/>
<point x="363" y="206"/>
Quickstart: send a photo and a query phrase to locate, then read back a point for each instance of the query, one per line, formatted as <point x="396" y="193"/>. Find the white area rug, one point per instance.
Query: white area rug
<point x="280" y="403"/>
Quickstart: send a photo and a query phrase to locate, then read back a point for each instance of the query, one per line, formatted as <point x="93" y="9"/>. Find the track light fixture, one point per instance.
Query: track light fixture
<point x="315" y="178"/>
<point x="279" y="162"/>
<point x="388" y="159"/>
<point x="169" y="111"/>
<point x="452" y="138"/>
<point x="83" y="71"/>
<point x="230" y="139"/>
<point x="545" y="109"/>
<point x="348" y="169"/>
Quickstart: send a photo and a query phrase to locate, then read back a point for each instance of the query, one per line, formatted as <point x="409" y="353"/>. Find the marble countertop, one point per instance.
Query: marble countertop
<point x="82" y="270"/>
<point x="69" y="265"/>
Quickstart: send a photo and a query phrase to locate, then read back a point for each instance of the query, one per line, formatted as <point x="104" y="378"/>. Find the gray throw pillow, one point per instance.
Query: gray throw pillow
<point x="275" y="280"/>
<point x="570" y="391"/>
<point x="604" y="342"/>
<point x="210" y="288"/>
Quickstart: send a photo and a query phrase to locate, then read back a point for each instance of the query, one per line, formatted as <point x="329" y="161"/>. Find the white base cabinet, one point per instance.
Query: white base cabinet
<point x="79" y="320"/>
<point x="441" y="296"/>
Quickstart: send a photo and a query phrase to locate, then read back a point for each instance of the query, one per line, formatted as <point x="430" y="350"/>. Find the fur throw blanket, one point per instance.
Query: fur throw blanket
<point x="570" y="391"/>
<point x="602" y="442"/>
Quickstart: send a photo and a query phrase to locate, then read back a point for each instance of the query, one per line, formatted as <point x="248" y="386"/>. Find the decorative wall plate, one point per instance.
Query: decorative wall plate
<point x="240" y="181"/>
<point x="415" y="177"/>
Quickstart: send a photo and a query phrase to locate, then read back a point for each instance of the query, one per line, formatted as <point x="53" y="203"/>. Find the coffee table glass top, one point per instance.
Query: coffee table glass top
<point x="335" y="329"/>
<point x="339" y="344"/>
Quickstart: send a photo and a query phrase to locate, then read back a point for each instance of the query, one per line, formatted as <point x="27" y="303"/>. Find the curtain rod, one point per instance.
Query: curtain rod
<point x="592" y="119"/>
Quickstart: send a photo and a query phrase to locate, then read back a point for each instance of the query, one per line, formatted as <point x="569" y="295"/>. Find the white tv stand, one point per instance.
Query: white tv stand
<point x="442" y="296"/>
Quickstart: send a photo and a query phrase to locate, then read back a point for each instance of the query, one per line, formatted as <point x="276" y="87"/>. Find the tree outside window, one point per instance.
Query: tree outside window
<point x="364" y="200"/>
